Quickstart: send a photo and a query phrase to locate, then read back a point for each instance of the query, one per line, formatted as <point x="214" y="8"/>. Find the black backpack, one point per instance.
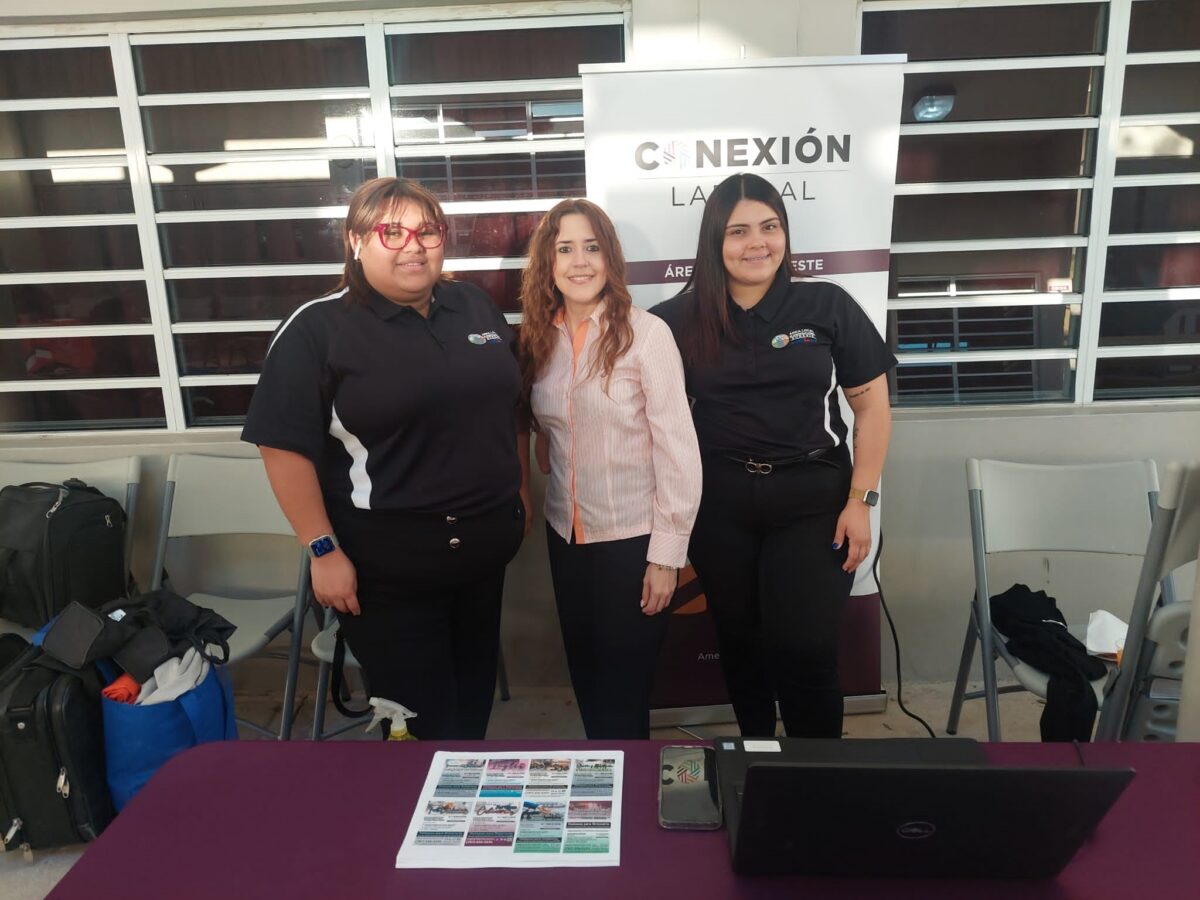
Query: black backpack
<point x="58" y="543"/>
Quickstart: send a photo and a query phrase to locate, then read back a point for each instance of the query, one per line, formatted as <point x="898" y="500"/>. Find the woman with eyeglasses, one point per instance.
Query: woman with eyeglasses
<point x="385" y="418"/>
<point x="606" y="389"/>
<point x="784" y="521"/>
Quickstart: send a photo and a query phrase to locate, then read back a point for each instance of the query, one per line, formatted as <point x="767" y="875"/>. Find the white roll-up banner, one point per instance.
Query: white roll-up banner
<point x="824" y="131"/>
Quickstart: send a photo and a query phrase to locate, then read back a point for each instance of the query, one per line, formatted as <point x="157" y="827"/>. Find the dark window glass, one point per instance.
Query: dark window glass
<point x="1161" y="89"/>
<point x="500" y="55"/>
<point x="1144" y="377"/>
<point x="222" y="353"/>
<point x="503" y="286"/>
<point x="985" y="272"/>
<point x="1009" y="214"/>
<point x="995" y="157"/>
<point x="248" y="185"/>
<point x="507" y="177"/>
<point x="247" y="243"/>
<point x="75" y="249"/>
<point x="1009" y="381"/>
<point x="491" y="234"/>
<point x="82" y="410"/>
<point x="1156" y="322"/>
<point x="1151" y="149"/>
<point x="65" y="191"/>
<point x="258" y="126"/>
<point x="1014" y="94"/>
<point x="224" y="299"/>
<point x="1059" y="30"/>
<point x="1153" y="266"/>
<point x="1166" y="208"/>
<point x="35" y="134"/>
<point x="117" y="303"/>
<point x="251" y="65"/>
<point x="1164" y="25"/>
<point x="213" y="405"/>
<point x="983" y="328"/>
<point x="66" y="72"/>
<point x="967" y="285"/>
<point x="77" y="357"/>
<point x="494" y="118"/>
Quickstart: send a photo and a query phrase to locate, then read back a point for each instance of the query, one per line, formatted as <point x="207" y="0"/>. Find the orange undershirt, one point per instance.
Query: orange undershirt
<point x="577" y="342"/>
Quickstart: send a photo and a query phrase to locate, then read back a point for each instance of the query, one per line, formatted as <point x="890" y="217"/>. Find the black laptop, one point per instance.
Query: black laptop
<point x="904" y="806"/>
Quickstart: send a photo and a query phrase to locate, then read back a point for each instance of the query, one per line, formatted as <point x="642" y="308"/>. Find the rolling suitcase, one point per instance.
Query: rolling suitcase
<point x="53" y="788"/>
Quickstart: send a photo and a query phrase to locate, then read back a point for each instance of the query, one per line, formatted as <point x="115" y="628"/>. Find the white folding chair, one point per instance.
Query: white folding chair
<point x="1188" y="725"/>
<point x="323" y="647"/>
<point x="1101" y="508"/>
<point x="215" y="495"/>
<point x="118" y="478"/>
<point x="1142" y="702"/>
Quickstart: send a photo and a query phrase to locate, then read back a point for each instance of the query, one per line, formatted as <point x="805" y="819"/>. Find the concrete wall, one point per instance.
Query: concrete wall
<point x="719" y="29"/>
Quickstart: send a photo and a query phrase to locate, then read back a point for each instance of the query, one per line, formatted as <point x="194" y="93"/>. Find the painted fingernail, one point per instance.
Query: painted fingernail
<point x="835" y="546"/>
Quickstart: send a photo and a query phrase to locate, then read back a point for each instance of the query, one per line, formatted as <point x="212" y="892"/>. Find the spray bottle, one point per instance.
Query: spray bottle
<point x="386" y="709"/>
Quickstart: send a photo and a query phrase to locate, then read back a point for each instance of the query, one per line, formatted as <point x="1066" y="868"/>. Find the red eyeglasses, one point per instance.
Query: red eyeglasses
<point x="396" y="237"/>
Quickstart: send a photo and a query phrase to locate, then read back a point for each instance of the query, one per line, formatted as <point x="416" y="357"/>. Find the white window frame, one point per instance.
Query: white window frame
<point x="1107" y="124"/>
<point x="374" y="28"/>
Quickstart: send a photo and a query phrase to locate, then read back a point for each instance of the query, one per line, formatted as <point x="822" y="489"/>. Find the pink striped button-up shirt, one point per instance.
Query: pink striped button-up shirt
<point x="623" y="462"/>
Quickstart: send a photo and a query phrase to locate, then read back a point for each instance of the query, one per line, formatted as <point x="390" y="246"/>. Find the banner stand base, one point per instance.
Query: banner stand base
<point x="861" y="704"/>
<point x="856" y="704"/>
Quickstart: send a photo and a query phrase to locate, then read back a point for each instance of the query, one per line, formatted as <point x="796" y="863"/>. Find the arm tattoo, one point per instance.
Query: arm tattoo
<point x="858" y="393"/>
<point x="855" y="435"/>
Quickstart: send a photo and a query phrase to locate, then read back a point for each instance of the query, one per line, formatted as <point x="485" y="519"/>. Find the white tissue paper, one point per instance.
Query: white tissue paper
<point x="174" y="678"/>
<point x="1105" y="633"/>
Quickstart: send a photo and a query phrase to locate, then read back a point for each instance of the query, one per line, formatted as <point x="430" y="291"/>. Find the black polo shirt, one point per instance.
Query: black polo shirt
<point x="771" y="394"/>
<point x="396" y="411"/>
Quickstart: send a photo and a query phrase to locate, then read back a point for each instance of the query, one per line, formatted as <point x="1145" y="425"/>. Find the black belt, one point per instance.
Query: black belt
<point x="767" y="466"/>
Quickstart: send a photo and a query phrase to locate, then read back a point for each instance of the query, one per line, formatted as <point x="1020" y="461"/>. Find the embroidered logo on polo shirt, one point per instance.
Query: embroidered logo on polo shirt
<point x="488" y="337"/>
<point x="800" y="335"/>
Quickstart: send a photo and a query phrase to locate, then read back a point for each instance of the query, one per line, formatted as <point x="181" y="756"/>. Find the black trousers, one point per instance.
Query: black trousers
<point x="429" y="633"/>
<point x="762" y="549"/>
<point x="612" y="646"/>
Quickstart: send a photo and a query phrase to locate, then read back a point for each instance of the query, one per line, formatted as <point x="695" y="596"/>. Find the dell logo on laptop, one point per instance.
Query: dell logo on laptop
<point x="915" y="831"/>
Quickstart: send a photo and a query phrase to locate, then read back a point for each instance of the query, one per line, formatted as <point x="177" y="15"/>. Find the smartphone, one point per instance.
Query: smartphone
<point x="689" y="796"/>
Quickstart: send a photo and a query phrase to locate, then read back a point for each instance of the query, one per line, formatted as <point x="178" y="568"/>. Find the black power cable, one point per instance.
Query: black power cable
<point x="895" y="641"/>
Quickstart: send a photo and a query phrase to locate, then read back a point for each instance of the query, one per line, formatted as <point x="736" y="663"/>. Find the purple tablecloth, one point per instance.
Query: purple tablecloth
<point x="299" y="820"/>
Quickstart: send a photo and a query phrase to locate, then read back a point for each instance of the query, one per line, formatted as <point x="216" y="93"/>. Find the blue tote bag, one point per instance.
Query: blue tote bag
<point x="139" y="739"/>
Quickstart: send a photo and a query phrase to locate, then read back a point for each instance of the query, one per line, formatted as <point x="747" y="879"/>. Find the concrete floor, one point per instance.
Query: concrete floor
<point x="544" y="711"/>
<point x="534" y="713"/>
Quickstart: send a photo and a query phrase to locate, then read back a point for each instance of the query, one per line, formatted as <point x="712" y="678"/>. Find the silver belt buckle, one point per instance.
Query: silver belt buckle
<point x="757" y="468"/>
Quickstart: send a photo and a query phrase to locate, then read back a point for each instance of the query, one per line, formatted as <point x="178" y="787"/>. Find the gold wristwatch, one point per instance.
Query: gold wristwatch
<point x="869" y="497"/>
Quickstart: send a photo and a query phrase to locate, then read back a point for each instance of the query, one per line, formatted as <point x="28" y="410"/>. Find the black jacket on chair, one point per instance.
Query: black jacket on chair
<point x="1037" y="634"/>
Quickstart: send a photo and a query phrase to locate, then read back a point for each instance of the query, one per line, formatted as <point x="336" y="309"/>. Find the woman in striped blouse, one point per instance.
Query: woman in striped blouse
<point x="604" y="382"/>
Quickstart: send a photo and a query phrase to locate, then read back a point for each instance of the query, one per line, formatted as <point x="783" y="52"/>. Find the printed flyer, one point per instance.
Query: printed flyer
<point x="517" y="810"/>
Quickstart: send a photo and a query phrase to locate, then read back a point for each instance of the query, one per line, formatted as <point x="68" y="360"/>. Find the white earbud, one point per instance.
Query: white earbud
<point x="357" y="248"/>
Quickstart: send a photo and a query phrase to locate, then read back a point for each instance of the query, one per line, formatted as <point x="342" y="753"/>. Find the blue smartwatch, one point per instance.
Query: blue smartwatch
<point x="318" y="547"/>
